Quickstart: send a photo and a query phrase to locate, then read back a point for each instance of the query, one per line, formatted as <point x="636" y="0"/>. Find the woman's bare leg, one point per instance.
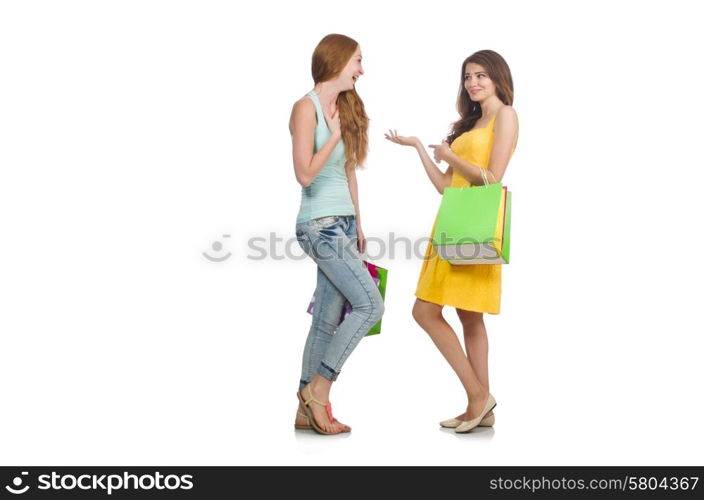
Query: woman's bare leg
<point x="476" y="344"/>
<point x="429" y="317"/>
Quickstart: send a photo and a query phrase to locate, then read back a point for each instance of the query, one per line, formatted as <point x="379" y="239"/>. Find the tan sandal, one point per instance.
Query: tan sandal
<point x="308" y="427"/>
<point x="303" y="427"/>
<point x="309" y="412"/>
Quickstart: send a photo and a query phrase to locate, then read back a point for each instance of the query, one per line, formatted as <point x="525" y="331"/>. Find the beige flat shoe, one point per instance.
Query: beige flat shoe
<point x="467" y="426"/>
<point x="451" y="423"/>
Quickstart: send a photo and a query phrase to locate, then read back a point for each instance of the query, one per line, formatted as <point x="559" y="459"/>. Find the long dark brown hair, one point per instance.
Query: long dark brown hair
<point x="329" y="59"/>
<point x="470" y="111"/>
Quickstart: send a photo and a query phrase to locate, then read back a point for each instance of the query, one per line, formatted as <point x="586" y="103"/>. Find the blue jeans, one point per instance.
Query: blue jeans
<point x="342" y="276"/>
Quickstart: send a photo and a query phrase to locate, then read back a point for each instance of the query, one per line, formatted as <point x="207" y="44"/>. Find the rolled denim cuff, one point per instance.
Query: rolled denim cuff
<point x="327" y="372"/>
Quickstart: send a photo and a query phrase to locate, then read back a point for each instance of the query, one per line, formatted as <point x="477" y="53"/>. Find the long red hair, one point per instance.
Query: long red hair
<point x="329" y="59"/>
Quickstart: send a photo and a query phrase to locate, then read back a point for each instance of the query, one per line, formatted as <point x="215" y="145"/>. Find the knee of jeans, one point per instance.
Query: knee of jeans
<point x="375" y="308"/>
<point x="380" y="308"/>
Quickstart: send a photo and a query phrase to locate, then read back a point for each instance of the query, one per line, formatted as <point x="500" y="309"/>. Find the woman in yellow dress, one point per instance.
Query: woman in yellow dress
<point x="479" y="147"/>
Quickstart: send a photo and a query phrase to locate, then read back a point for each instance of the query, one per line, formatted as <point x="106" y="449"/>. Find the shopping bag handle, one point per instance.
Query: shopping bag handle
<point x="484" y="178"/>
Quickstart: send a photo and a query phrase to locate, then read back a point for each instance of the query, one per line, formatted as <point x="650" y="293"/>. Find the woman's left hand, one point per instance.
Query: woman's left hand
<point x="441" y="152"/>
<point x="393" y="136"/>
<point x="361" y="240"/>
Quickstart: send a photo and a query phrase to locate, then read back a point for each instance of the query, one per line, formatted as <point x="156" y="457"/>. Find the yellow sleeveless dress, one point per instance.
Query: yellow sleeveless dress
<point x="469" y="287"/>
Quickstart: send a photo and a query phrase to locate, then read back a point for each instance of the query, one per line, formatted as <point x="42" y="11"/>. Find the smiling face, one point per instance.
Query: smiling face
<point x="352" y="70"/>
<point x="477" y="83"/>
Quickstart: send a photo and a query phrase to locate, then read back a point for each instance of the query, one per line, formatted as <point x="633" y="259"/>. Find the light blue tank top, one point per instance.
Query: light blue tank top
<point x="329" y="193"/>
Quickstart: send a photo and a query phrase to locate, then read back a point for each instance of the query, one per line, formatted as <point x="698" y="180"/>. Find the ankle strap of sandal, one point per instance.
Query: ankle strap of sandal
<point x="311" y="399"/>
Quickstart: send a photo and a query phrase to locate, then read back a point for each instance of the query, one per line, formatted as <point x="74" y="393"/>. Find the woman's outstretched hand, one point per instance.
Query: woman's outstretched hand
<point x="393" y="136"/>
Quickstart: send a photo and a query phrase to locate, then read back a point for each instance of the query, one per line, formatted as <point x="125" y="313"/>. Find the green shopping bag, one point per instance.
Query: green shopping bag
<point x="379" y="275"/>
<point x="473" y="225"/>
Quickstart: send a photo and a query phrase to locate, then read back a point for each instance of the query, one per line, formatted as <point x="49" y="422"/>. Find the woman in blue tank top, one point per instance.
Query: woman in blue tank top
<point x="329" y="133"/>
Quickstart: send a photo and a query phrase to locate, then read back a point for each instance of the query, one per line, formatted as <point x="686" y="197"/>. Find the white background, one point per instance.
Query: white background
<point x="133" y="135"/>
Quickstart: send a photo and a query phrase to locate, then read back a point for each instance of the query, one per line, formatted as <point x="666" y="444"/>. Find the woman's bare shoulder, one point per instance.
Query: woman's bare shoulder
<point x="304" y="104"/>
<point x="507" y="112"/>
